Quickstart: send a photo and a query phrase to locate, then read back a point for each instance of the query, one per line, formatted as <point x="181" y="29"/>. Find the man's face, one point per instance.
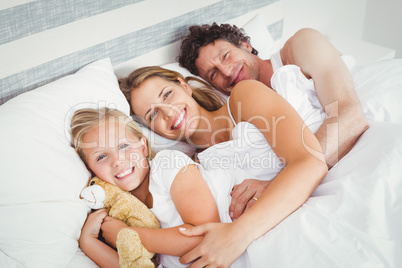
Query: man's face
<point x="223" y="64"/>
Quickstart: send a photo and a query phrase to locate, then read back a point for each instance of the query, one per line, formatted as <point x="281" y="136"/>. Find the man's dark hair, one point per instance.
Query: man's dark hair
<point x="202" y="35"/>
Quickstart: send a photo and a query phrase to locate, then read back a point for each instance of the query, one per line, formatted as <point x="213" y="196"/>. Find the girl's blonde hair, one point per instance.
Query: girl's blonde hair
<point x="203" y="93"/>
<point x="86" y="119"/>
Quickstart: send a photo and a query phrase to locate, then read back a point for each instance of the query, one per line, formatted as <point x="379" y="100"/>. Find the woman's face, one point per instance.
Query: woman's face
<point x="166" y="107"/>
<point x="116" y="155"/>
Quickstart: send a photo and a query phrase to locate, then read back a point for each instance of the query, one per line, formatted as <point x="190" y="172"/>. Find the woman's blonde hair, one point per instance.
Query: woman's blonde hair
<point x="203" y="93"/>
<point x="86" y="119"/>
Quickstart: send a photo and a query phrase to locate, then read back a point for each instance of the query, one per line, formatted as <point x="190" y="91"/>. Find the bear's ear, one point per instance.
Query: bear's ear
<point x="92" y="181"/>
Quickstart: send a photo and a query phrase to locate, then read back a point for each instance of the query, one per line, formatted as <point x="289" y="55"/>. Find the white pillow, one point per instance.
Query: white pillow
<point x="379" y="89"/>
<point x="41" y="175"/>
<point x="260" y="38"/>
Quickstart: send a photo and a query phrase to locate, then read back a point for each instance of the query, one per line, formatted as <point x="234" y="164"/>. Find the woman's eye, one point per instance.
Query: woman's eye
<point x="152" y="115"/>
<point x="102" y="156"/>
<point x="167" y="94"/>
<point x="123" y="146"/>
<point x="226" y="55"/>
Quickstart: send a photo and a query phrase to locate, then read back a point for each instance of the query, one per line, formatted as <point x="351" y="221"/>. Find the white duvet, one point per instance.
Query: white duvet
<point x="353" y="218"/>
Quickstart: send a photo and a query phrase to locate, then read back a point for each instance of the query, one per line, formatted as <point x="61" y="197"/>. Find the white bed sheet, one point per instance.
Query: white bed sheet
<point x="353" y="218"/>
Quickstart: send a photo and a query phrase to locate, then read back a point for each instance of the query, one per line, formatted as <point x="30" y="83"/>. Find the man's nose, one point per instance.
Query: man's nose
<point x="226" y="69"/>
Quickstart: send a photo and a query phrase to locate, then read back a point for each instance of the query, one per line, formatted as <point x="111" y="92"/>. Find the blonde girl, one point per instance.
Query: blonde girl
<point x="170" y="184"/>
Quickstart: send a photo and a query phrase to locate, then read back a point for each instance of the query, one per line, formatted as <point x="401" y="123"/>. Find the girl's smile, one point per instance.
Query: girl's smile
<point x="116" y="155"/>
<point x="124" y="174"/>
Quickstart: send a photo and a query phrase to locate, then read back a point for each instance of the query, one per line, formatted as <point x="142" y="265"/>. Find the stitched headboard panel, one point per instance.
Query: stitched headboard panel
<point x="42" y="40"/>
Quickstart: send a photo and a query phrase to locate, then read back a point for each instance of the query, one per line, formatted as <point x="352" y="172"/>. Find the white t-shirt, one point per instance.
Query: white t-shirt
<point x="164" y="168"/>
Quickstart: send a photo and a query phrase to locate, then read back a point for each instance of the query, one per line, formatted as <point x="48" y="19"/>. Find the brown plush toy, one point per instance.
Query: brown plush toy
<point x="123" y="206"/>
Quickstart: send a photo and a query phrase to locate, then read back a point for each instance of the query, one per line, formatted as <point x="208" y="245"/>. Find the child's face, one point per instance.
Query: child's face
<point x="116" y="155"/>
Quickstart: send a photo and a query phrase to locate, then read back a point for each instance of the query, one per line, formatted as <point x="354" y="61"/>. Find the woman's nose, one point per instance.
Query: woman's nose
<point x="168" y="110"/>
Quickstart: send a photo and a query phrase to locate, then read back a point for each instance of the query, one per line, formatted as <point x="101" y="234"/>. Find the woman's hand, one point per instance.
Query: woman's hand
<point x="92" y="225"/>
<point x="221" y="246"/>
<point x="244" y="196"/>
<point x="111" y="228"/>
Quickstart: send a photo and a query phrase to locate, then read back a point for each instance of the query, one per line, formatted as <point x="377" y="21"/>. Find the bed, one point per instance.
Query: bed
<point x="66" y="56"/>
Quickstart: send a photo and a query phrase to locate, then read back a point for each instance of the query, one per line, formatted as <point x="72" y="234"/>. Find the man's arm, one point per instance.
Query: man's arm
<point x="319" y="60"/>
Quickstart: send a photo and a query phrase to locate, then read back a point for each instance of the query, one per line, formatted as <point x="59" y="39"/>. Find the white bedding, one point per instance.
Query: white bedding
<point x="353" y="218"/>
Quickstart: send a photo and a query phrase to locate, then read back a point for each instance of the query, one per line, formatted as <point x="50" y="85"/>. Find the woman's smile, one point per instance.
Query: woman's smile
<point x="179" y="120"/>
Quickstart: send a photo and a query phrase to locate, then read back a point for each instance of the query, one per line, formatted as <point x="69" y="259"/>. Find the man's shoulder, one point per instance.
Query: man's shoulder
<point x="298" y="44"/>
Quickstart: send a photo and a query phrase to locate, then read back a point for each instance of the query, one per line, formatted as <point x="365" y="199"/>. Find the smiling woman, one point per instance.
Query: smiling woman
<point x="168" y="112"/>
<point x="255" y="123"/>
<point x="172" y="106"/>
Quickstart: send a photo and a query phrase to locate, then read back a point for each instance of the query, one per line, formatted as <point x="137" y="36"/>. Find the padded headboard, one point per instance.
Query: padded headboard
<point x="41" y="41"/>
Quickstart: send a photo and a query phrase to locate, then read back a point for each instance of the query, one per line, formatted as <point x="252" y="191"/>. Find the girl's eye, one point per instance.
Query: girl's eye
<point x="226" y="55"/>
<point x="123" y="146"/>
<point x="102" y="156"/>
<point x="167" y="94"/>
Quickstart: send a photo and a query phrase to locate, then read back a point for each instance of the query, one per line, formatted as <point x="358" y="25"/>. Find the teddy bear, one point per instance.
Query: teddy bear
<point x="124" y="206"/>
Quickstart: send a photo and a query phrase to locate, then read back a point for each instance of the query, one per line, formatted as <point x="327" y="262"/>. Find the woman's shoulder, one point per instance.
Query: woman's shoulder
<point x="249" y="95"/>
<point x="249" y="89"/>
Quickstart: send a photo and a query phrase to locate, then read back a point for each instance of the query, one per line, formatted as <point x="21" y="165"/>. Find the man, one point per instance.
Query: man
<point x="223" y="56"/>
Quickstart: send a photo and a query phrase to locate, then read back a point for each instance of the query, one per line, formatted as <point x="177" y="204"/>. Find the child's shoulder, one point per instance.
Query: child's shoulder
<point x="167" y="163"/>
<point x="170" y="159"/>
<point x="170" y="153"/>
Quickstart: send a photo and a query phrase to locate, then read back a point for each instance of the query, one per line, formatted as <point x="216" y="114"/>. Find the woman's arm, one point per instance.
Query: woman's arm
<point x="167" y="241"/>
<point x="319" y="60"/>
<point x="304" y="169"/>
<point x="195" y="204"/>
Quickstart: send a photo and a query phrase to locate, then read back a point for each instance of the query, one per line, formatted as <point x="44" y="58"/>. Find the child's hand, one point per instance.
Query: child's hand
<point x="110" y="229"/>
<point x="93" y="223"/>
